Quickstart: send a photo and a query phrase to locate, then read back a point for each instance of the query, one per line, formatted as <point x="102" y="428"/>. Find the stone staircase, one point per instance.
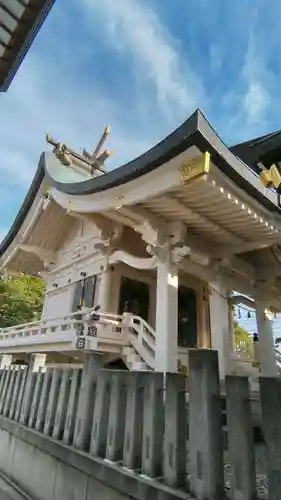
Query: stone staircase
<point x="133" y="360"/>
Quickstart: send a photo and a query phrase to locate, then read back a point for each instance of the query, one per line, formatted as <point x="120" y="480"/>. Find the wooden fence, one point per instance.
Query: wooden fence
<point x="142" y="421"/>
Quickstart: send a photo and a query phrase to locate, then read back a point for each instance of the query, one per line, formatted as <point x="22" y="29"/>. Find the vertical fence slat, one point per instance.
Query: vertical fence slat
<point x="40" y="420"/>
<point x="205" y="426"/>
<point x="116" y="421"/>
<point x="153" y="425"/>
<point x="86" y="401"/>
<point x="21" y="394"/>
<point x="36" y="399"/>
<point x="15" y="395"/>
<point x="134" y="421"/>
<point x="10" y="392"/>
<point x="101" y="414"/>
<point x="62" y="404"/>
<point x="270" y="391"/>
<point x="27" y="396"/>
<point x="175" y="438"/>
<point x="5" y="390"/>
<point x="2" y="380"/>
<point x="241" y="449"/>
<point x="72" y="406"/>
<point x="53" y="402"/>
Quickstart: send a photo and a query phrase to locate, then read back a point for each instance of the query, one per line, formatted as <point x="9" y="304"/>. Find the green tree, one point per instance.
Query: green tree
<point x="243" y="340"/>
<point x="21" y="299"/>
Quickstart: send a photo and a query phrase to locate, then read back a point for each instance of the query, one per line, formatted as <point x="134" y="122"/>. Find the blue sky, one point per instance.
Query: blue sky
<point x="142" y="66"/>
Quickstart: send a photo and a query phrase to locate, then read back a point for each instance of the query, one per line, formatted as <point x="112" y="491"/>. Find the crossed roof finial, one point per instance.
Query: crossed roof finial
<point x="93" y="162"/>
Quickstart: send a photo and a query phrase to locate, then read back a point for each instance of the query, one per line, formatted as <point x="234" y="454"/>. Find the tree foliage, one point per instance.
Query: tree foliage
<point x="21" y="299"/>
<point x="243" y="340"/>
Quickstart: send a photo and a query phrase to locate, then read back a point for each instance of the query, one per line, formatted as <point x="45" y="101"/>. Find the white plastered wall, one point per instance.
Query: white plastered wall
<point x="77" y="255"/>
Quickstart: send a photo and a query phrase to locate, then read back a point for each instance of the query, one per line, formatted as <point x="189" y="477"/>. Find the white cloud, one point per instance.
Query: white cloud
<point x="38" y="104"/>
<point x="134" y="28"/>
<point x="257" y="78"/>
<point x="256" y="102"/>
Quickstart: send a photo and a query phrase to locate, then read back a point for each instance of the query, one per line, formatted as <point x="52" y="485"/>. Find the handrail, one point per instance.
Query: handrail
<point x="145" y="324"/>
<point x="43" y="322"/>
<point x="137" y="332"/>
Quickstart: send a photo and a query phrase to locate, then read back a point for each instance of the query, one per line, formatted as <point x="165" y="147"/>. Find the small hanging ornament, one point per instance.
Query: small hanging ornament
<point x="239" y="313"/>
<point x="249" y="315"/>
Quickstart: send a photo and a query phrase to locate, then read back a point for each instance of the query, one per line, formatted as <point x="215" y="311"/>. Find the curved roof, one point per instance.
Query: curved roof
<point x="20" y="21"/>
<point x="195" y="131"/>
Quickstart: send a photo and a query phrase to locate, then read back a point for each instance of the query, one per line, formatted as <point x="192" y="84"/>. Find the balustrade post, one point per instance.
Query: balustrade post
<point x="116" y="424"/>
<point x="132" y="454"/>
<point x="2" y="380"/>
<point x="153" y="425"/>
<point x="36" y="398"/>
<point x="72" y="406"/>
<point x="175" y="439"/>
<point x="86" y="401"/>
<point x="62" y="404"/>
<point x="101" y="414"/>
<point x="205" y="426"/>
<point x="15" y="396"/>
<point x="21" y="394"/>
<point x="27" y="396"/>
<point x="53" y="402"/>
<point x="241" y="448"/>
<point x="41" y="414"/>
<point x="10" y="391"/>
<point x="5" y="390"/>
<point x="270" y="392"/>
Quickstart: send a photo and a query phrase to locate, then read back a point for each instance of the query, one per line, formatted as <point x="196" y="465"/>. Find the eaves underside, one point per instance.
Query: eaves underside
<point x="20" y="21"/>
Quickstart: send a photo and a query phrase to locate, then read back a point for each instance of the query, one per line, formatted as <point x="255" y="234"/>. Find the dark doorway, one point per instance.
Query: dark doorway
<point x="187" y="317"/>
<point x="116" y="364"/>
<point x="134" y="298"/>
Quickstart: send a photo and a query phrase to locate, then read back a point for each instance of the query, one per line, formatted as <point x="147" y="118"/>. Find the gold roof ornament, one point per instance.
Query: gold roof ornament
<point x="270" y="177"/>
<point x="92" y="163"/>
<point x="196" y="167"/>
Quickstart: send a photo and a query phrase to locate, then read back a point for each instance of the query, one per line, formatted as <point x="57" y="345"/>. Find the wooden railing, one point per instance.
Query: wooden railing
<point x="79" y="330"/>
<point x="141" y="421"/>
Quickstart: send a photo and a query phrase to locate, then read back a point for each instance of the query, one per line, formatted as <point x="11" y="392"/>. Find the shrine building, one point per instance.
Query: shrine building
<point x="140" y="263"/>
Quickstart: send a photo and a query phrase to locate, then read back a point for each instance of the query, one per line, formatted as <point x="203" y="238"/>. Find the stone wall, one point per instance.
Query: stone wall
<point x="112" y="434"/>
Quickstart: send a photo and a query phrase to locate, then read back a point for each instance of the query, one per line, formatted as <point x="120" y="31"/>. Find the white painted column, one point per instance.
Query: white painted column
<point x="104" y="292"/>
<point x="6" y="360"/>
<point x="221" y="327"/>
<point x="266" y="342"/>
<point x="166" y="318"/>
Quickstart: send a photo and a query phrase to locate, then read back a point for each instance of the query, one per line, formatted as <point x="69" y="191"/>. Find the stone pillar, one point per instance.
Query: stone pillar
<point x="6" y="360"/>
<point x="36" y="361"/>
<point x="241" y="448"/>
<point x="166" y="318"/>
<point x="221" y="327"/>
<point x="266" y="342"/>
<point x="84" y="416"/>
<point x="205" y="426"/>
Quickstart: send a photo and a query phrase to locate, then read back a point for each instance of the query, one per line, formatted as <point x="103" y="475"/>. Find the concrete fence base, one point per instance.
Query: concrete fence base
<point x="49" y="470"/>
